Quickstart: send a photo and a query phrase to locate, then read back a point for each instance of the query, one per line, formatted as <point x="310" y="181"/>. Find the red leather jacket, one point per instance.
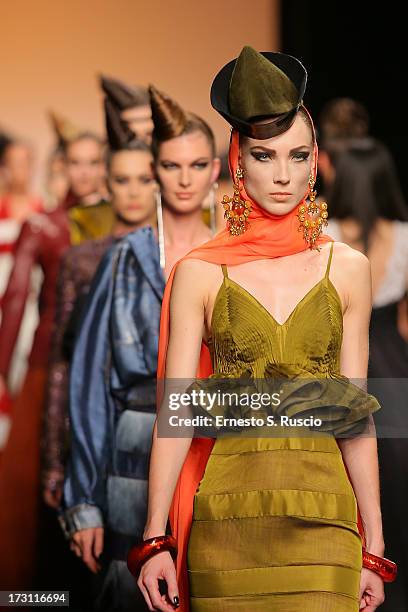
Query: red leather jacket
<point x="42" y="241"/>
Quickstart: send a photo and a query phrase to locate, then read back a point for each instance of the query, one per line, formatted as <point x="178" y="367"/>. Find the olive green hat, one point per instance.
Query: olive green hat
<point x="262" y="87"/>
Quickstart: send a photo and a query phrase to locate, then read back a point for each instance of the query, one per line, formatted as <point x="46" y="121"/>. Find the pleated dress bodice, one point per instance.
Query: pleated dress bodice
<point x="245" y="337"/>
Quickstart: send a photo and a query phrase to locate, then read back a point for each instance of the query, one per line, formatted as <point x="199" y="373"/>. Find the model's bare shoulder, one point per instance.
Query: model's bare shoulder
<point x="196" y="275"/>
<point x="192" y="282"/>
<point x="351" y="260"/>
<point x="352" y="271"/>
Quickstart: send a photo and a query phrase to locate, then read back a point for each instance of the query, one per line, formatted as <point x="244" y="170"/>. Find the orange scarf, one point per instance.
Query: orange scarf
<point x="268" y="236"/>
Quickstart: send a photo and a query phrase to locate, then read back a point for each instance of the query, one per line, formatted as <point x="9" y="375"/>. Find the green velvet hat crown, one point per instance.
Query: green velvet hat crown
<point x="266" y="87"/>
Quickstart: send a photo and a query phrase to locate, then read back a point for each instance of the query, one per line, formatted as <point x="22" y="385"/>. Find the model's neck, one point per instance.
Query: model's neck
<point x="91" y="199"/>
<point x="182" y="229"/>
<point x="120" y="228"/>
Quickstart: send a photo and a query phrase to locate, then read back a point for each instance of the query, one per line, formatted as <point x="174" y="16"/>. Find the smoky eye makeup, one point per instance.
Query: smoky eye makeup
<point x="168" y="165"/>
<point x="121" y="180"/>
<point x="200" y="164"/>
<point x="146" y="179"/>
<point x="301" y="155"/>
<point x="260" y="155"/>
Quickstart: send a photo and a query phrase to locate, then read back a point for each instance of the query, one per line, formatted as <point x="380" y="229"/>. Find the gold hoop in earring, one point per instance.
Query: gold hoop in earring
<point x="311" y="224"/>
<point x="237" y="209"/>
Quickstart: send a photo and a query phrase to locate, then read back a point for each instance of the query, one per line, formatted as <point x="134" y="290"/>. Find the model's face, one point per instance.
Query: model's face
<point x="277" y="170"/>
<point x="139" y="121"/>
<point x="18" y="166"/>
<point x="85" y="167"/>
<point x="186" y="170"/>
<point x="132" y="185"/>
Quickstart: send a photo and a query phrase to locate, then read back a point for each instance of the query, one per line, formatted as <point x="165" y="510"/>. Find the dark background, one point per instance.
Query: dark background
<point x="359" y="50"/>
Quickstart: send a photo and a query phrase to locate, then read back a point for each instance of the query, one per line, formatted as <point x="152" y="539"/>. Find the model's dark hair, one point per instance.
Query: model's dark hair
<point x="122" y="95"/>
<point x="171" y="121"/>
<point x="5" y="147"/>
<point x="343" y="118"/>
<point x="366" y="186"/>
<point x="141" y="97"/>
<point x="133" y="145"/>
<point x="5" y="142"/>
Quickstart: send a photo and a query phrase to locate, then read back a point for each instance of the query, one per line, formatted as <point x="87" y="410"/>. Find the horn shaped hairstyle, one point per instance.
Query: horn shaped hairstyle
<point x="118" y="133"/>
<point x="122" y="95"/>
<point x="169" y="118"/>
<point x="171" y="121"/>
<point x="64" y="129"/>
<point x="67" y="132"/>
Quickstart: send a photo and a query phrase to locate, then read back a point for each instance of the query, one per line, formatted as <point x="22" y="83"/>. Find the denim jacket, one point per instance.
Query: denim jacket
<point x="113" y="392"/>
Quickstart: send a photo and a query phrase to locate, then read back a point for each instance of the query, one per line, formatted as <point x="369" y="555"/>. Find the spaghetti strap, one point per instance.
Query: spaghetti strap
<point x="329" y="260"/>
<point x="224" y="270"/>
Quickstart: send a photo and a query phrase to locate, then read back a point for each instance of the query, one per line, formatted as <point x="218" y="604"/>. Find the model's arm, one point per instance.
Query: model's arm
<point x="15" y="297"/>
<point x="168" y="454"/>
<point x="186" y="332"/>
<point x="91" y="420"/>
<point x="56" y="406"/>
<point x="360" y="453"/>
<point x="90" y="409"/>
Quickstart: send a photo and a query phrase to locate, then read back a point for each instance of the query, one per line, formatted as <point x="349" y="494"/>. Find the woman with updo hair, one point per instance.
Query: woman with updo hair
<point x="186" y="168"/>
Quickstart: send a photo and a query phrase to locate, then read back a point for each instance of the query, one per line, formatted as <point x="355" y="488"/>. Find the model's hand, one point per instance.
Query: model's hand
<point x="371" y="590"/>
<point x="53" y="483"/>
<point x="88" y="544"/>
<point x="159" y="567"/>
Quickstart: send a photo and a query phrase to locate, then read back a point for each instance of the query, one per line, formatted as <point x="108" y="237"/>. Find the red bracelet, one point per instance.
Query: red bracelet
<point x="380" y="565"/>
<point x="140" y="553"/>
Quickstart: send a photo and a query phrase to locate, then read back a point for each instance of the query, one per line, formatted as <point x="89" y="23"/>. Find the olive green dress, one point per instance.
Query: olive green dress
<point x="275" y="519"/>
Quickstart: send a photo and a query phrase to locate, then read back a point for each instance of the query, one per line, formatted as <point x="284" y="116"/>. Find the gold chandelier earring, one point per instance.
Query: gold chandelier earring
<point x="236" y="208"/>
<point x="312" y="216"/>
